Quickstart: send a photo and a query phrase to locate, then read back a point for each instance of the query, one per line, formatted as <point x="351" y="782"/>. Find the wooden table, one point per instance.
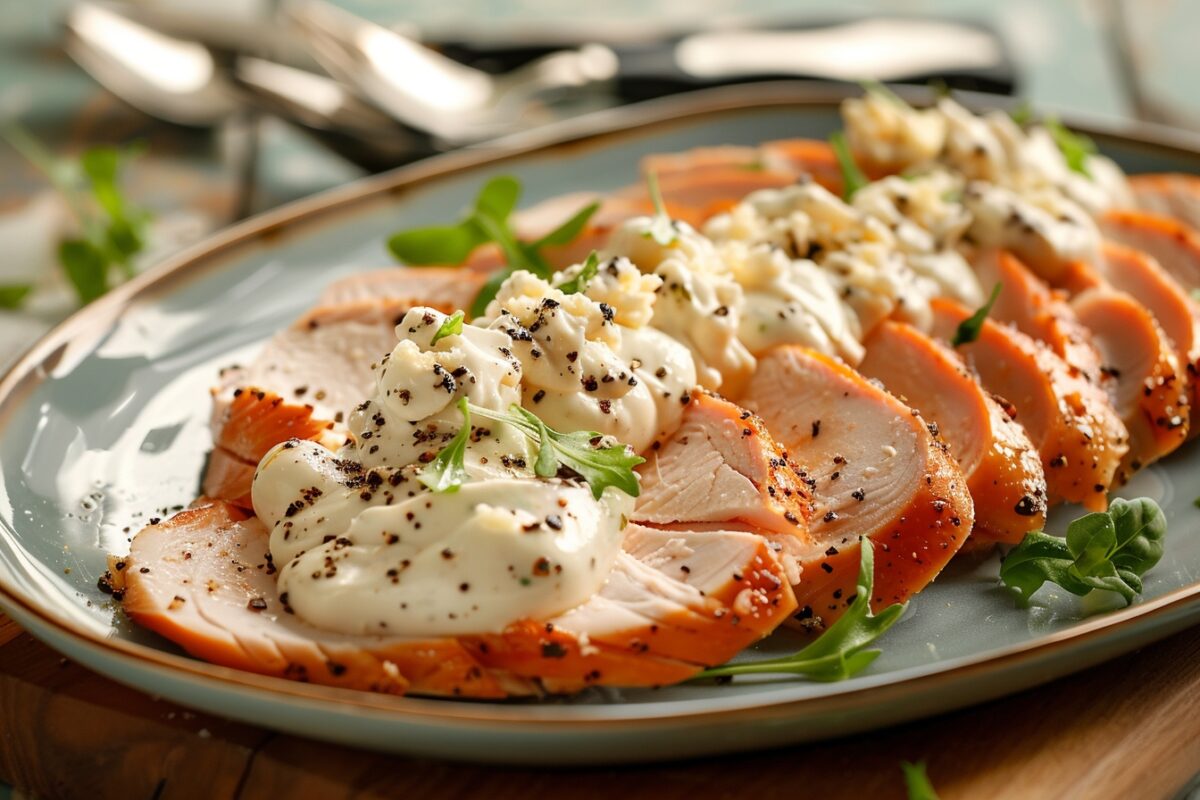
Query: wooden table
<point x="1126" y="729"/>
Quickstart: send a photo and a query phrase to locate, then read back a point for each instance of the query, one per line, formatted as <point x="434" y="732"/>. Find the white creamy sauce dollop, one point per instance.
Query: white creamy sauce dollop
<point x="1019" y="174"/>
<point x="699" y="303"/>
<point x="362" y="546"/>
<point x="413" y="411"/>
<point x="1042" y="228"/>
<point x="361" y="555"/>
<point x="821" y="272"/>
<point x="583" y="370"/>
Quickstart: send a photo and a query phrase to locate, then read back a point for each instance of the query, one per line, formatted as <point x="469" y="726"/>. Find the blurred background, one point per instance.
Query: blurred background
<point x="236" y="106"/>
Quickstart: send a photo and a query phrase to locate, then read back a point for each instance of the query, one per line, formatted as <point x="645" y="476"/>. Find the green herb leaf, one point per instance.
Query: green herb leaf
<point x="882" y="91"/>
<point x="13" y="295"/>
<point x="569" y="230"/>
<point x="113" y="227"/>
<point x="1022" y="114"/>
<point x="969" y="329"/>
<point x="579" y="452"/>
<point x="451" y="327"/>
<point x="853" y="178"/>
<point x="437" y="245"/>
<point x="101" y="166"/>
<point x="1141" y="527"/>
<point x="1196" y="502"/>
<point x="917" y="782"/>
<point x="487" y="222"/>
<point x="1076" y="147"/>
<point x="580" y="282"/>
<point x="1195" y="293"/>
<point x="446" y="472"/>
<point x="498" y="198"/>
<point x="487" y="292"/>
<point x="661" y="229"/>
<point x="1040" y="557"/>
<point x="86" y="267"/>
<point x="1108" y="550"/>
<point x="518" y="254"/>
<point x="839" y="652"/>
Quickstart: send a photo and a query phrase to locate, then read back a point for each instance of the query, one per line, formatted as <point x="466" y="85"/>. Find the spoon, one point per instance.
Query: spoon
<point x="430" y="92"/>
<point x="186" y="83"/>
<point x="330" y="113"/>
<point x="165" y="77"/>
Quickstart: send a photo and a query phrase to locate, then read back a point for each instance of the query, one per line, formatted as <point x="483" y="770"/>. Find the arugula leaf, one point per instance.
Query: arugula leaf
<point x="1196" y="502"/>
<point x="661" y="229"/>
<point x="569" y="230"/>
<point x="451" y="327"/>
<point x="1108" y="550"/>
<point x="498" y="198"/>
<point x="580" y="282"/>
<point x="853" y="178"/>
<point x="969" y="329"/>
<point x="839" y="652"/>
<point x="486" y="222"/>
<point x="916" y="781"/>
<point x="579" y="452"/>
<point x="446" y="472"/>
<point x="1075" y="147"/>
<point x="13" y="295"/>
<point x="439" y="244"/>
<point x="518" y="254"/>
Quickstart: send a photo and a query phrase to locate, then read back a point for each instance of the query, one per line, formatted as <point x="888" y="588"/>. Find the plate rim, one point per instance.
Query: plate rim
<point x="600" y="129"/>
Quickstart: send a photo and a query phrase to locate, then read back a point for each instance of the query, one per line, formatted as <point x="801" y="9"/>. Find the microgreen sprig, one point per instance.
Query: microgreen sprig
<point x="487" y="221"/>
<point x="853" y="178"/>
<point x="582" y="453"/>
<point x="580" y="281"/>
<point x="1075" y="147"/>
<point x="969" y="329"/>
<point x="661" y="230"/>
<point x="112" y="228"/>
<point x="916" y="781"/>
<point x="452" y="326"/>
<point x="447" y="471"/>
<point x="839" y="652"/>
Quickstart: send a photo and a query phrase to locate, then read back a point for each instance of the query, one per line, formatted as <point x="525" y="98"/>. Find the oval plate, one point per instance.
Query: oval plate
<point x="103" y="425"/>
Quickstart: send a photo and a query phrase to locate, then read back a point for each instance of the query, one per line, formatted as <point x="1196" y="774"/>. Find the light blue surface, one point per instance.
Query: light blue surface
<point x="117" y="432"/>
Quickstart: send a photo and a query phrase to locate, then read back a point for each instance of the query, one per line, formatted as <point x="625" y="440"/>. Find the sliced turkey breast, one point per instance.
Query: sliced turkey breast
<point x="1141" y="276"/>
<point x="878" y="470"/>
<point x="204" y="579"/>
<point x="1151" y="387"/>
<point x="722" y="466"/>
<point x="1003" y="470"/>
<point x="1079" y="435"/>
<point x="1171" y="194"/>
<point x="1038" y="311"/>
<point x="1174" y="244"/>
